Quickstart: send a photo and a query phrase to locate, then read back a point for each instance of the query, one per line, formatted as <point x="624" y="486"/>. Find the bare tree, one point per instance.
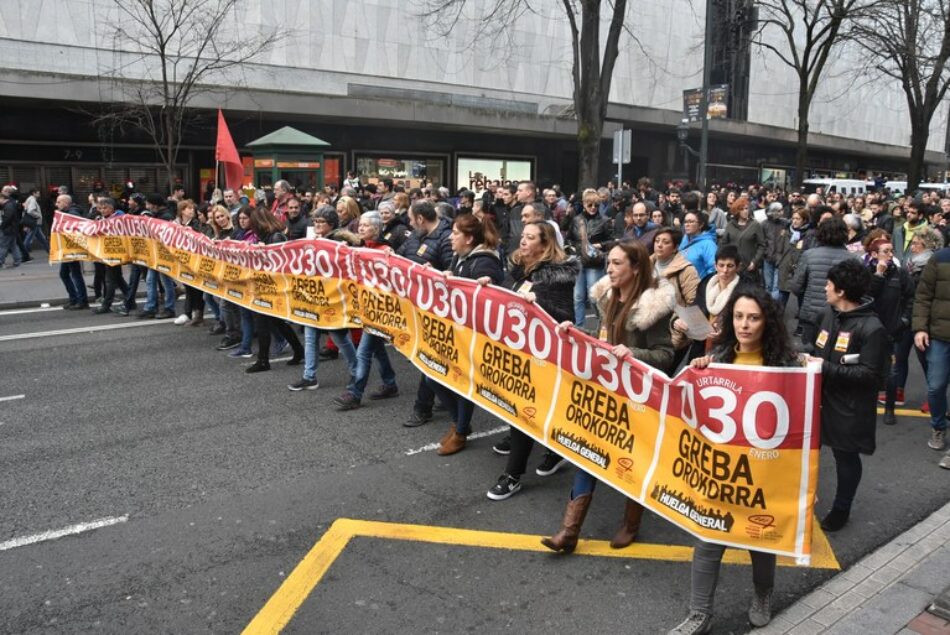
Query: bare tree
<point x="909" y="41"/>
<point x="591" y="70"/>
<point x="167" y="52"/>
<point x="808" y="32"/>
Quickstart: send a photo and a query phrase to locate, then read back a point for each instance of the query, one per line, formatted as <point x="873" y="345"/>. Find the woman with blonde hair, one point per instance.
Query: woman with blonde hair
<point x="348" y="210"/>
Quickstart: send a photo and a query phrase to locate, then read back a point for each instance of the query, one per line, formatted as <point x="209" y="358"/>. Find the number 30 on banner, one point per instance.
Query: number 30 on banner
<point x="764" y="430"/>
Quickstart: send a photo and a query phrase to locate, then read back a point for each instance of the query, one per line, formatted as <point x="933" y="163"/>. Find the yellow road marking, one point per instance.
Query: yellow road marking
<point x="903" y="412"/>
<point x="280" y="608"/>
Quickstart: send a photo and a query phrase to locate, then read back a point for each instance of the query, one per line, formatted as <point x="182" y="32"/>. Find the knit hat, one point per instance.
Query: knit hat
<point x="327" y="213"/>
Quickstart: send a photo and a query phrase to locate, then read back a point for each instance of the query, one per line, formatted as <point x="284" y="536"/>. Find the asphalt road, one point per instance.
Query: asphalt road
<point x="219" y="483"/>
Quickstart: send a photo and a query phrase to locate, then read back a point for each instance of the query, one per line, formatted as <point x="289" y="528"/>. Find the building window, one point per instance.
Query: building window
<point x="412" y="171"/>
<point x="474" y="173"/>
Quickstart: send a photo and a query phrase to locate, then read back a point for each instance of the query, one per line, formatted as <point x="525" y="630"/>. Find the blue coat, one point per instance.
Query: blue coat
<point x="701" y="251"/>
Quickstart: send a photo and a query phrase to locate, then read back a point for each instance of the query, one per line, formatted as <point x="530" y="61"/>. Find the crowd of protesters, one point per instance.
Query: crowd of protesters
<point x="865" y="279"/>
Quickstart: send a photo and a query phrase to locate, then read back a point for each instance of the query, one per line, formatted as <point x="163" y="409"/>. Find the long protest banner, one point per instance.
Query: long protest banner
<point x="729" y="454"/>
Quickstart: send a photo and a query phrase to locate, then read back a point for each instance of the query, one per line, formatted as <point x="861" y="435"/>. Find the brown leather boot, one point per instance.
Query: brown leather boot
<point x="566" y="540"/>
<point x="627" y="533"/>
<point x="455" y="443"/>
<point x="448" y="435"/>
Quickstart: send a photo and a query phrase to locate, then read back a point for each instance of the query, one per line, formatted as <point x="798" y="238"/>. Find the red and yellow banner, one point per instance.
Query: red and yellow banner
<point x="729" y="453"/>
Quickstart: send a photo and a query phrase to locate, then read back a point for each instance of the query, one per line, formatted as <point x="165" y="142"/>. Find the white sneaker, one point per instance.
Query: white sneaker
<point x="937" y="441"/>
<point x="182" y="319"/>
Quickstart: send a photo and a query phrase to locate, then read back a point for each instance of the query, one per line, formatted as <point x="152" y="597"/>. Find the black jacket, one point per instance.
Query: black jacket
<point x="297" y="227"/>
<point x="434" y="248"/>
<point x="599" y="229"/>
<point x="849" y="391"/>
<point x="395" y="232"/>
<point x="9" y="218"/>
<point x="552" y="285"/>
<point x="893" y="295"/>
<point x="480" y="262"/>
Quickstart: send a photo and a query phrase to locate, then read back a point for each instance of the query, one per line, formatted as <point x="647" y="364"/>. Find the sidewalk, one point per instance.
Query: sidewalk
<point x="35" y="283"/>
<point x="887" y="591"/>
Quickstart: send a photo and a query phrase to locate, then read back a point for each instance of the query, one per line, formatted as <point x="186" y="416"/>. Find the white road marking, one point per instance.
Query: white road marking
<point x="59" y="533"/>
<point x="477" y="435"/>
<point x="41" y="309"/>
<point x="12" y="397"/>
<point x="272" y="361"/>
<point x="83" y="329"/>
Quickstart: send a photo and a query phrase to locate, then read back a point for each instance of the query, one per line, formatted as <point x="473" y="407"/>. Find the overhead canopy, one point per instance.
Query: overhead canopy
<point x="288" y="138"/>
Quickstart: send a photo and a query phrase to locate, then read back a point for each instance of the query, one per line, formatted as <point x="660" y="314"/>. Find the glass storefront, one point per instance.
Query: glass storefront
<point x="412" y="172"/>
<point x="474" y="173"/>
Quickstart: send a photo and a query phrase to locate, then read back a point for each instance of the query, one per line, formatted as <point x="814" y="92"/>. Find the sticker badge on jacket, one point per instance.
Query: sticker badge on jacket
<point x="841" y="344"/>
<point x="602" y="335"/>
<point x="525" y="287"/>
<point x="822" y="339"/>
<point x="422" y="250"/>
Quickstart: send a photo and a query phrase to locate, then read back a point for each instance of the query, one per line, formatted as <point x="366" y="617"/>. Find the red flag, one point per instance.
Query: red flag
<point x="227" y="155"/>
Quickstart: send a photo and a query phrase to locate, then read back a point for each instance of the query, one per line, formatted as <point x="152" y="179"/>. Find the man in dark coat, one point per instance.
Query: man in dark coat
<point x="853" y="347"/>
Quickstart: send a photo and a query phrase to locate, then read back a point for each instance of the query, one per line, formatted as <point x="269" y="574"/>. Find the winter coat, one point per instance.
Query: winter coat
<point x="884" y="221"/>
<point x="647" y="328"/>
<point x="701" y="251"/>
<point x="513" y="227"/>
<point x="776" y="239"/>
<point x="9" y="218"/>
<point x="682" y="276"/>
<point x="810" y="277"/>
<point x="478" y="263"/>
<point x="552" y="283"/>
<point x="792" y="253"/>
<point x="893" y="295"/>
<point x="932" y="299"/>
<point x="598" y="229"/>
<point x="297" y="227"/>
<point x="849" y="391"/>
<point x="395" y="232"/>
<point x="750" y="240"/>
<point x="75" y="210"/>
<point x="434" y="248"/>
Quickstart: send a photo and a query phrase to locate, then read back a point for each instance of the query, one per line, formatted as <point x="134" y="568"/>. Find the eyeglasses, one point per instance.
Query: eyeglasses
<point x="690" y="222"/>
<point x="589" y="205"/>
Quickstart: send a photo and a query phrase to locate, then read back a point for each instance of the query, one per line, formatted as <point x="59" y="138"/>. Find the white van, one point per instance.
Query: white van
<point x="848" y="187"/>
<point x="899" y="188"/>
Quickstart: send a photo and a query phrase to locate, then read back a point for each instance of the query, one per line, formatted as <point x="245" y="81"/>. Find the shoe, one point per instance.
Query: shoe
<point x="925" y="408"/>
<point x="145" y="315"/>
<point x="241" y="353"/>
<point x="304" y="384"/>
<point x="294" y="361"/>
<point x="102" y="309"/>
<point x="277" y="350"/>
<point x="258" y="367"/>
<point x="550" y="464"/>
<point x="198" y="321"/>
<point x="882" y="398"/>
<point x="347" y="401"/>
<point x="121" y="310"/>
<point x="448" y="434"/>
<point x="937" y="439"/>
<point x="326" y="353"/>
<point x="454" y="444"/>
<point x="384" y="392"/>
<point x="217" y="329"/>
<point x="227" y="344"/>
<point x="565" y="540"/>
<point x="182" y="319"/>
<point x="417" y="419"/>
<point x="889" y="418"/>
<point x="945" y="461"/>
<point x="164" y="315"/>
<point x="835" y="520"/>
<point x="629" y="527"/>
<point x="506" y="487"/>
<point x="503" y="447"/>
<point x="696" y="623"/>
<point x="76" y="307"/>
<point x="899" y="399"/>
<point x="760" y="611"/>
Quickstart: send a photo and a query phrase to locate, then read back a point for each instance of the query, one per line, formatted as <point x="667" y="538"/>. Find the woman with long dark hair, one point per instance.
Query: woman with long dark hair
<point x="269" y="231"/>
<point x="634" y="310"/>
<point x="542" y="273"/>
<point x="751" y="333"/>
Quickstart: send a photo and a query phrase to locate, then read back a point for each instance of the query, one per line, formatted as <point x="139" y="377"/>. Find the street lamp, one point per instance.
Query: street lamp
<point x="682" y="134"/>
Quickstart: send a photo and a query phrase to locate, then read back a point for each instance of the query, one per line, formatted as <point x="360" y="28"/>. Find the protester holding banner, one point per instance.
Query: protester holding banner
<point x="543" y="274"/>
<point x="475" y="244"/>
<point x="269" y="229"/>
<point x="229" y="324"/>
<point x="113" y="273"/>
<point x="371" y="346"/>
<point x="193" y="314"/>
<point x="855" y="349"/>
<point x="751" y="333"/>
<point x="634" y="310"/>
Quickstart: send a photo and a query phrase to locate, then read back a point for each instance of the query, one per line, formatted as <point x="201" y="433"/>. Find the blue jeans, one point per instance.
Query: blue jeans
<point x="71" y="275"/>
<point x="151" y="295"/>
<point x="938" y="374"/>
<point x="247" y="329"/>
<point x="458" y="407"/>
<point x="135" y="276"/>
<point x="770" y="275"/>
<point x="901" y="367"/>
<point x="371" y="347"/>
<point x="36" y="233"/>
<point x="311" y="348"/>
<point x="8" y="245"/>
<point x="212" y="302"/>
<point x="582" y="286"/>
<point x="584" y="483"/>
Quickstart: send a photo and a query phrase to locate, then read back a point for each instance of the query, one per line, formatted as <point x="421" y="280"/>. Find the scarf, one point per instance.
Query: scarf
<point x="797" y="233"/>
<point x="917" y="261"/>
<point x="717" y="297"/>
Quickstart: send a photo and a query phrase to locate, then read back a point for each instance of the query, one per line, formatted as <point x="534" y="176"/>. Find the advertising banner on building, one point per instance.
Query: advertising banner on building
<point x="728" y="453"/>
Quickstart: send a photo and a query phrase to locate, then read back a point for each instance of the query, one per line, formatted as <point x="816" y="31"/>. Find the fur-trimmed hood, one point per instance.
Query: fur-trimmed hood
<point x="654" y="304"/>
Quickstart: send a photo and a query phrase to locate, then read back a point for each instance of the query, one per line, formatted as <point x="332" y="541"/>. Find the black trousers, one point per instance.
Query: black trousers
<point x="113" y="280"/>
<point x="265" y="325"/>
<point x="521" y="445"/>
<point x="848" y="467"/>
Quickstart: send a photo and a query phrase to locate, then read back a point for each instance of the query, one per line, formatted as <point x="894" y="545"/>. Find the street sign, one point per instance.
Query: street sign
<point x="622" y="142"/>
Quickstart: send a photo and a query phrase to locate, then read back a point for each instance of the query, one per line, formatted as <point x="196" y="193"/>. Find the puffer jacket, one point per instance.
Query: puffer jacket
<point x="297" y="227"/>
<point x="893" y="295"/>
<point x="701" y="251"/>
<point x="932" y="299"/>
<point x="810" y="277"/>
<point x="553" y="286"/>
<point x="478" y="263"/>
<point x="395" y="232"/>
<point x="647" y="328"/>
<point x="434" y="248"/>
<point x="848" y="391"/>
